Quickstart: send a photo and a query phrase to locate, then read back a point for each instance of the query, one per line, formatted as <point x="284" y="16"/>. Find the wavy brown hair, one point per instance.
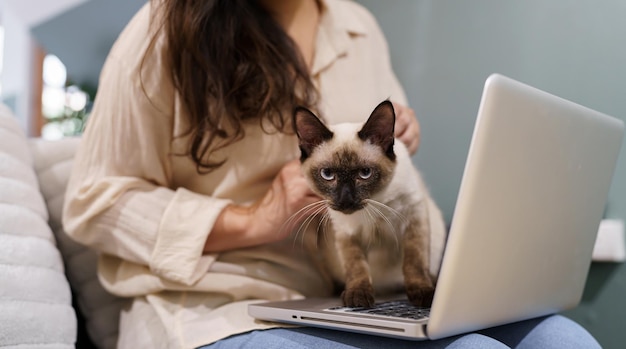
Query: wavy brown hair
<point x="231" y="62"/>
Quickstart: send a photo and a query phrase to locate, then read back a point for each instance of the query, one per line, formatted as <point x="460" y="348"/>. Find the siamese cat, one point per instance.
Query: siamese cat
<point x="382" y="230"/>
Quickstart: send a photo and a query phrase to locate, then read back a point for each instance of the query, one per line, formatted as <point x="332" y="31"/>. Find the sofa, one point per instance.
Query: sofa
<point x="50" y="296"/>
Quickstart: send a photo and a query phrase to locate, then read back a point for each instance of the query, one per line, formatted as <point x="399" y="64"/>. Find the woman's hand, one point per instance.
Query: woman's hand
<point x="407" y="127"/>
<point x="264" y="221"/>
<point x="274" y="214"/>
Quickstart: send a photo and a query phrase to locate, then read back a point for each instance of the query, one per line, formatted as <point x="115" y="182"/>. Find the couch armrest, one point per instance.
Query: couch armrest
<point x="35" y="299"/>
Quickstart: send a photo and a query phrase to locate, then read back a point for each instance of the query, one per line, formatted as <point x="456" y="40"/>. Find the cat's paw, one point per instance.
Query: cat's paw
<point x="358" y="297"/>
<point x="421" y="296"/>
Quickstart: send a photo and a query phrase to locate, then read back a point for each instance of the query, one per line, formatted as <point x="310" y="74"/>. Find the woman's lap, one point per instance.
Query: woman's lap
<point x="548" y="332"/>
<point x="309" y="337"/>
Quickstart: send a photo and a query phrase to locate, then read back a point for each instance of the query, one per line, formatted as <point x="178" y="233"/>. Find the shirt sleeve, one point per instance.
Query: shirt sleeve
<point x="119" y="199"/>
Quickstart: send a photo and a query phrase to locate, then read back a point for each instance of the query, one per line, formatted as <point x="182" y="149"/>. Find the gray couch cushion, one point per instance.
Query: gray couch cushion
<point x="53" y="164"/>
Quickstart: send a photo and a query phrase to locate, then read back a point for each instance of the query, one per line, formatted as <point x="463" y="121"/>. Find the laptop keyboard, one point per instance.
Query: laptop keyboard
<point x="397" y="309"/>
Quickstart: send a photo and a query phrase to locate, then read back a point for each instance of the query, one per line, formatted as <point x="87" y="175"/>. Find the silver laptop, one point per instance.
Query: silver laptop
<point x="531" y="199"/>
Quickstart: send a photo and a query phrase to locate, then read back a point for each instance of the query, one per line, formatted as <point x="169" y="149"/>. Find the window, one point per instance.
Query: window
<point x="64" y="105"/>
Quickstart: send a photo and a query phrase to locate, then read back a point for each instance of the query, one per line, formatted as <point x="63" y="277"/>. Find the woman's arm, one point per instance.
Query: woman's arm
<point x="120" y="199"/>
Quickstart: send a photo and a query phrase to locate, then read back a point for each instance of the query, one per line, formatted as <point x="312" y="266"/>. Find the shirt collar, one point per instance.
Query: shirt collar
<point x="336" y="28"/>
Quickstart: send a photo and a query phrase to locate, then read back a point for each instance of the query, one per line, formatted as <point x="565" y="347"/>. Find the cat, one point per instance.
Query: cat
<point x="383" y="231"/>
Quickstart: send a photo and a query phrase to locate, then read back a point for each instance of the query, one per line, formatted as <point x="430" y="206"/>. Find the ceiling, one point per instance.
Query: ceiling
<point x="81" y="32"/>
<point x="33" y="12"/>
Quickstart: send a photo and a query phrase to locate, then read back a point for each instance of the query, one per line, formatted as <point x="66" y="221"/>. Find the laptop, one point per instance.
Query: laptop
<point x="531" y="199"/>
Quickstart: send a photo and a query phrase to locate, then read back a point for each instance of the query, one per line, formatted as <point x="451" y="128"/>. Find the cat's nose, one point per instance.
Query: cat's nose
<point x="346" y="194"/>
<point x="346" y="200"/>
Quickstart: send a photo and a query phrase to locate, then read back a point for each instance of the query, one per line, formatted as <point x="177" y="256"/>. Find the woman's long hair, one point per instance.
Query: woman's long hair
<point x="231" y="62"/>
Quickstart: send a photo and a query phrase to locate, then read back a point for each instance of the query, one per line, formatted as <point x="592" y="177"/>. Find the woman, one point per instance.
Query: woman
<point x="187" y="167"/>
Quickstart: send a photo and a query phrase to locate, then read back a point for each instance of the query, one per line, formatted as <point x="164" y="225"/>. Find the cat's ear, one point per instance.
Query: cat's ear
<point x="310" y="130"/>
<point x="379" y="128"/>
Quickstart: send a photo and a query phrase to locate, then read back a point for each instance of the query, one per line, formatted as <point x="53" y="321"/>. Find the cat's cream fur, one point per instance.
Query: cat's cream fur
<point x="396" y="240"/>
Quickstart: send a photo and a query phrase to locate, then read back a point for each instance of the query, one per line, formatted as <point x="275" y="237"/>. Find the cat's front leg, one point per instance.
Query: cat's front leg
<point x="415" y="266"/>
<point x="358" y="291"/>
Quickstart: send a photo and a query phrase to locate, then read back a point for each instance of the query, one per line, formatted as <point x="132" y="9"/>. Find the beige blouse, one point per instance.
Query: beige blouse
<point x="147" y="210"/>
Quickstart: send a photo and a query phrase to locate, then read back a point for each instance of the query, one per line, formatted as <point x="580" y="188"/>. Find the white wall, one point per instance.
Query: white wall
<point x="34" y="12"/>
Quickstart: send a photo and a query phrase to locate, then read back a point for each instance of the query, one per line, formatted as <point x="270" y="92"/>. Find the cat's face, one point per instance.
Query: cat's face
<point x="347" y="164"/>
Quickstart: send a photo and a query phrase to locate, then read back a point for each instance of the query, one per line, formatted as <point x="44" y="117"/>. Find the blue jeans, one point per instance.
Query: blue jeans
<point x="547" y="332"/>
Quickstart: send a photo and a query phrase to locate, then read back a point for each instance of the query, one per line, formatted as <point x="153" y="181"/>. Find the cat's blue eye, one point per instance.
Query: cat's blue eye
<point x="365" y="173"/>
<point x="327" y="174"/>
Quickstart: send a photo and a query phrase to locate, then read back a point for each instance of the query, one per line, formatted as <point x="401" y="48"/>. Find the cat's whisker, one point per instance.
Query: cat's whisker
<point x="374" y="213"/>
<point x="385" y="220"/>
<point x="325" y="221"/>
<point x="378" y="205"/>
<point x="321" y="227"/>
<point x="309" y="220"/>
<point x="319" y="209"/>
<point x="373" y="223"/>
<point x="309" y="211"/>
<point x="298" y="215"/>
<point x="389" y="209"/>
<point x="392" y="227"/>
<point x="384" y="217"/>
<point x="288" y="223"/>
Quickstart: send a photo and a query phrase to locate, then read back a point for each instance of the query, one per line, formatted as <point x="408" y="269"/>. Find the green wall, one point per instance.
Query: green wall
<point x="443" y="50"/>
